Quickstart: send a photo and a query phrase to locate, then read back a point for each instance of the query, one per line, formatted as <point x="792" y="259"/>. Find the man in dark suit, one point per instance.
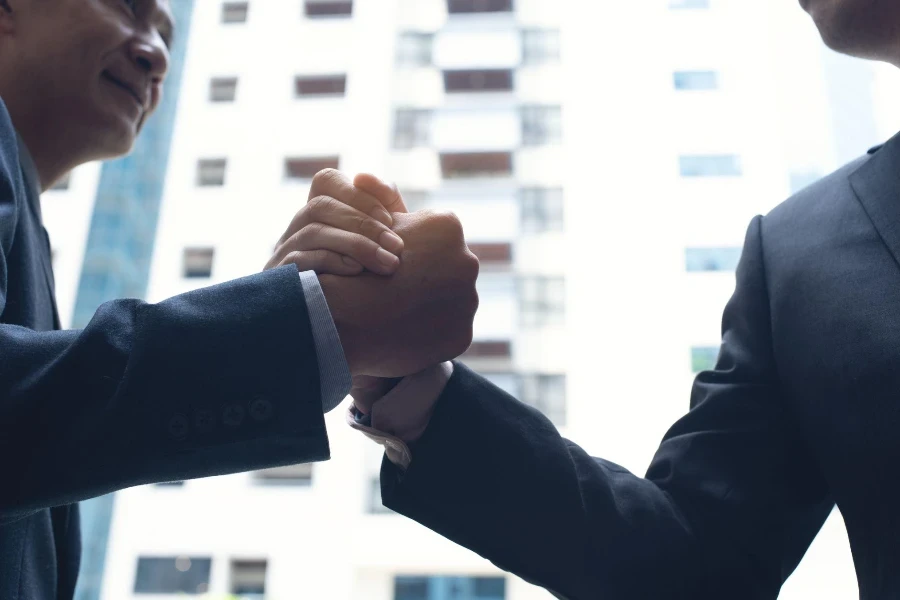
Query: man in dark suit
<point x="225" y="379"/>
<point x="801" y="412"/>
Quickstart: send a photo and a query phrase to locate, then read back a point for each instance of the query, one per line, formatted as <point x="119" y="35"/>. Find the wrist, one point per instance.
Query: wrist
<point x="347" y="330"/>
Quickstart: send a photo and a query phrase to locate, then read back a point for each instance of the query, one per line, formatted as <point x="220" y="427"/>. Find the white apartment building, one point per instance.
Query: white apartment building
<point x="605" y="159"/>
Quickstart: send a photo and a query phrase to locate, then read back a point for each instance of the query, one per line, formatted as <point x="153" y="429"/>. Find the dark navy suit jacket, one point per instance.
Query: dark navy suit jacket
<point x="215" y="381"/>
<point x="801" y="412"/>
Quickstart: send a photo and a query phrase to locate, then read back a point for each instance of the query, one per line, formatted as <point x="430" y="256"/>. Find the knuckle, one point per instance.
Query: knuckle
<point x="366" y="225"/>
<point x="320" y="204"/>
<point x="449" y="220"/>
<point x="449" y="226"/>
<point x="474" y="301"/>
<point x="313" y="205"/>
<point x="471" y="265"/>
<point x="294" y="256"/>
<point x="324" y="177"/>
<point x="360" y="245"/>
<point x="311" y="231"/>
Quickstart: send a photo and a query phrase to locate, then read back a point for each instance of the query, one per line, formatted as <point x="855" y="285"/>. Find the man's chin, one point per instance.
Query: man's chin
<point x="115" y="144"/>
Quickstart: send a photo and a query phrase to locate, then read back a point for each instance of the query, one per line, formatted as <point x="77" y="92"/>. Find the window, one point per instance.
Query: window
<point x="414" y="49"/>
<point x="376" y="507"/>
<point x="541" y="209"/>
<point x="679" y="4"/>
<point x="476" y="164"/>
<point x="725" y="165"/>
<point x="696" y="80"/>
<point x="478" y="80"/>
<point x="412" y="128"/>
<point x="198" y="262"/>
<point x="222" y="89"/>
<point x="295" y="475"/>
<point x="248" y="579"/>
<point x="542" y="301"/>
<point x="540" y="46"/>
<point x="541" y="125"/>
<point x="63" y="184"/>
<point x="447" y="588"/>
<point x="489" y="349"/>
<point x="175" y="575"/>
<point x="547" y="393"/>
<point x="712" y="259"/>
<point x="234" y="12"/>
<point x="328" y="8"/>
<point x="492" y="254"/>
<point x="457" y="7"/>
<point x="320" y="85"/>
<point x="704" y="358"/>
<point x="211" y="172"/>
<point x="306" y="168"/>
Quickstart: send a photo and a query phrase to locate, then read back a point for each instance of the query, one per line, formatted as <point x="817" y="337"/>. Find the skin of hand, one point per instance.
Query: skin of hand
<point x="342" y="230"/>
<point x="421" y="315"/>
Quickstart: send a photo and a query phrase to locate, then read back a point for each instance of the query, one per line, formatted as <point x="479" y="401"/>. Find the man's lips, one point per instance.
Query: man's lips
<point x="132" y="91"/>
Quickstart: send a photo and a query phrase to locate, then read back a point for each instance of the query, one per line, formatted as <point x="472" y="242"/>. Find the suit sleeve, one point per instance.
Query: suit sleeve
<point x="728" y="507"/>
<point x="216" y="381"/>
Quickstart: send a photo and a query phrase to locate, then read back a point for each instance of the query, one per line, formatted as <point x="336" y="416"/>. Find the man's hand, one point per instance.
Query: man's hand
<point x="341" y="230"/>
<point x="419" y="317"/>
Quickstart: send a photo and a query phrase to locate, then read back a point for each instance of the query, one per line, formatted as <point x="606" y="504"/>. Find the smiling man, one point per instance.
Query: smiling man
<point x="225" y="379"/>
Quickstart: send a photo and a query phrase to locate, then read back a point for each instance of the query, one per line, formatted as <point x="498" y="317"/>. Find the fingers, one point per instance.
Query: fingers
<point x="336" y="184"/>
<point x="324" y="237"/>
<point x="323" y="261"/>
<point x="330" y="185"/>
<point x="387" y="195"/>
<point x="329" y="211"/>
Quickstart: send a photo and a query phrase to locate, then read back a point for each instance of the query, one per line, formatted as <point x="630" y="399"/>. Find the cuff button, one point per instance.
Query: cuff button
<point x="232" y="415"/>
<point x="178" y="427"/>
<point x="261" y="410"/>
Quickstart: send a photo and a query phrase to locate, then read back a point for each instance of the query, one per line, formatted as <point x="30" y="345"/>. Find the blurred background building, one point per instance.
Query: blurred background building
<point x="605" y="159"/>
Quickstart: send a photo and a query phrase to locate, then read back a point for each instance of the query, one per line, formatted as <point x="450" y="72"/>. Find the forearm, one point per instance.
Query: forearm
<point x="494" y="475"/>
<point x="216" y="381"/>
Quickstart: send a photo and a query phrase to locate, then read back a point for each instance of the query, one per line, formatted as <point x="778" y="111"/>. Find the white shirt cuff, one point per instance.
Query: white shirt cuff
<point x="334" y="373"/>
<point x="403" y="414"/>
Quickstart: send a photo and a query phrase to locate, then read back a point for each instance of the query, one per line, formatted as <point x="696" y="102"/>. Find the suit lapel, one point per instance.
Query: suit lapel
<point x="877" y="185"/>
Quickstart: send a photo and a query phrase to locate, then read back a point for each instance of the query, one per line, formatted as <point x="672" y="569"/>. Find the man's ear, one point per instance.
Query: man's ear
<point x="7" y="18"/>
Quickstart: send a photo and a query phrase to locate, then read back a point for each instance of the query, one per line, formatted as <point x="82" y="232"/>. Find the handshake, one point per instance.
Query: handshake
<point x="400" y="287"/>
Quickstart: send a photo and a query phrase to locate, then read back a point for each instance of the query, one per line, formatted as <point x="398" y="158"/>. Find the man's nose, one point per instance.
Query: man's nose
<point x="151" y="58"/>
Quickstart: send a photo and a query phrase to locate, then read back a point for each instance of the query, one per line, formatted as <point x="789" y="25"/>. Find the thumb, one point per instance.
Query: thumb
<point x="387" y="194"/>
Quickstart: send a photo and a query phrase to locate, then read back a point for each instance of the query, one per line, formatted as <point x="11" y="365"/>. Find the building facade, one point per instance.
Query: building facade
<point x="605" y="162"/>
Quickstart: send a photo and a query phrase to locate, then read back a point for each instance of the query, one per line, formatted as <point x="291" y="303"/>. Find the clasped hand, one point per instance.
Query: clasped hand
<point x="400" y="286"/>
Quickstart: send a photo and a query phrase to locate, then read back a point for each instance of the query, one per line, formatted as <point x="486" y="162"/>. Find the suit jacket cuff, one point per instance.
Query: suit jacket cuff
<point x="334" y="374"/>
